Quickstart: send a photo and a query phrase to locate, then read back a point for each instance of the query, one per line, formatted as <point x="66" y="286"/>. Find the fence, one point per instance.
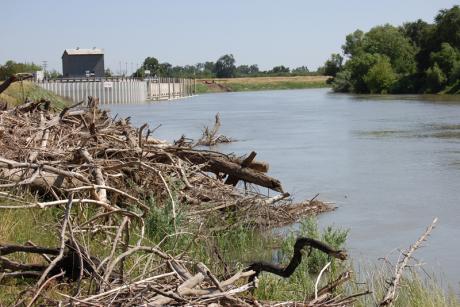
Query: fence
<point x="121" y="90"/>
<point x="169" y="88"/>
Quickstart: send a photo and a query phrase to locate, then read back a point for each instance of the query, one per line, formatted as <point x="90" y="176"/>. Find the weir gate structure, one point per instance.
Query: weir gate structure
<point x="121" y="90"/>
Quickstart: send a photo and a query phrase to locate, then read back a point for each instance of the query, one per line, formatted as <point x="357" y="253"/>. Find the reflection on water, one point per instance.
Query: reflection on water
<point x="424" y="131"/>
<point x="391" y="163"/>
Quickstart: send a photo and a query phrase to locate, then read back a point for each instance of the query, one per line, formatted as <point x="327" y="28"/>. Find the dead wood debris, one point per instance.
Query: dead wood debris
<point x="211" y="136"/>
<point x="81" y="158"/>
<point x="403" y="262"/>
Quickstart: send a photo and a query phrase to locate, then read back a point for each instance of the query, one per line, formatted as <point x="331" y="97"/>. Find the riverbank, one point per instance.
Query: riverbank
<point x="17" y="92"/>
<point x="260" y="84"/>
<point x="152" y="211"/>
<point x="91" y="195"/>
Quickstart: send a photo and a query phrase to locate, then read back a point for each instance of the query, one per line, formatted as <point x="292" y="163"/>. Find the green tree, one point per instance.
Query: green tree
<point x="301" y="70"/>
<point x="165" y="70"/>
<point x="448" y="26"/>
<point x="253" y="69"/>
<point x="225" y="66"/>
<point x="389" y="41"/>
<point x="151" y="63"/>
<point x="342" y="82"/>
<point x="445" y="30"/>
<point x="209" y="66"/>
<point x="435" y="79"/>
<point x="415" y="31"/>
<point x="446" y="58"/>
<point x="108" y="72"/>
<point x="243" y="70"/>
<point x="280" y="70"/>
<point x="11" y="67"/>
<point x="353" y="43"/>
<point x="358" y="66"/>
<point x="52" y="74"/>
<point x="380" y="77"/>
<point x="333" y="65"/>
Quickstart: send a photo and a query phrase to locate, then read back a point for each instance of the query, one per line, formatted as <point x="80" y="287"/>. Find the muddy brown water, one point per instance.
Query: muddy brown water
<point x="390" y="163"/>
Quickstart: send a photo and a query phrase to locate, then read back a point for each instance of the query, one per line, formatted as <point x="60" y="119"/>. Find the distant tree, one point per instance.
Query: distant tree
<point x="108" y="72"/>
<point x="254" y="69"/>
<point x="52" y="74"/>
<point x="242" y="70"/>
<point x="225" y="67"/>
<point x="380" y="77"/>
<point x="280" y="70"/>
<point x="165" y="70"/>
<point x="333" y="65"/>
<point x="209" y="66"/>
<point x="204" y="70"/>
<point x="151" y="63"/>
<point x="11" y="68"/>
<point x="415" y="57"/>
<point x="301" y="70"/>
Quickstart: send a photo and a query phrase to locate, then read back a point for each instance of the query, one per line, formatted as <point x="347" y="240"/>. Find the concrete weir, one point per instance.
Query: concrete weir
<point x="121" y="90"/>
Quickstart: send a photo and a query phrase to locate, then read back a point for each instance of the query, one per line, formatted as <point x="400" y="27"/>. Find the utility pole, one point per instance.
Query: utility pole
<point x="44" y="65"/>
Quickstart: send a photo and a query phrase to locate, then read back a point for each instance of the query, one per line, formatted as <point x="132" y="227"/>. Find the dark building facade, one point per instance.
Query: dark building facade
<point x="83" y="63"/>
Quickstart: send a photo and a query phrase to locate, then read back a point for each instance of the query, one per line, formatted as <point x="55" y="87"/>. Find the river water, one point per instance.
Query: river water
<point x="390" y="163"/>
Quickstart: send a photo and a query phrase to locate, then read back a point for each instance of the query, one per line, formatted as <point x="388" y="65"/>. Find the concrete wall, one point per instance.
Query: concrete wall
<point x="108" y="91"/>
<point x="169" y="88"/>
<point x="120" y="91"/>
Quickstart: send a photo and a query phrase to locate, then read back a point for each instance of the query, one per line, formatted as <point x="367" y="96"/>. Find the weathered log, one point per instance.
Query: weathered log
<point x="41" y="183"/>
<point x="9" y="249"/>
<point x="13" y="78"/>
<point x="300" y="243"/>
<point x="244" y="173"/>
<point x="69" y="262"/>
<point x="220" y="165"/>
<point x="259" y="166"/>
<point x="245" y="163"/>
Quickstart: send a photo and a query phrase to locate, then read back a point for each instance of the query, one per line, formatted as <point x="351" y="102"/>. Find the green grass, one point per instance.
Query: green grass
<point x="284" y="85"/>
<point x="18" y="92"/>
<point x="202" y="88"/>
<point x="224" y="252"/>
<point x="260" y="84"/>
<point x="300" y="285"/>
<point x="416" y="290"/>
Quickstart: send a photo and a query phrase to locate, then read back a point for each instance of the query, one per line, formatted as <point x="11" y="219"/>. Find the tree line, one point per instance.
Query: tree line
<point x="224" y="67"/>
<point x="417" y="57"/>
<point x="11" y="67"/>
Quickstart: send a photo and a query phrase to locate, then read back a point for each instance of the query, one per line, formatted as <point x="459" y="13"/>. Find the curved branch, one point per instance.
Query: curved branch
<point x="300" y="243"/>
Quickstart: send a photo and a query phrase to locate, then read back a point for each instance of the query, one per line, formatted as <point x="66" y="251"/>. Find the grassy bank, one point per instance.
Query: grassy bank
<point x="260" y="84"/>
<point x="17" y="92"/>
<point x="224" y="251"/>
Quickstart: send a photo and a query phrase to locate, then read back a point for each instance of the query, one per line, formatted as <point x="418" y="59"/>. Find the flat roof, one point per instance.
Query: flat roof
<point x="80" y="51"/>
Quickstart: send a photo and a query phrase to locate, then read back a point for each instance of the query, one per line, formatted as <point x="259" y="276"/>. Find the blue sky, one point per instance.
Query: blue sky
<point x="268" y="33"/>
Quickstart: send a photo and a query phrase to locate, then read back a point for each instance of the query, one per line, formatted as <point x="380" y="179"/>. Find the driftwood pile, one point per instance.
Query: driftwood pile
<point x="98" y="174"/>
